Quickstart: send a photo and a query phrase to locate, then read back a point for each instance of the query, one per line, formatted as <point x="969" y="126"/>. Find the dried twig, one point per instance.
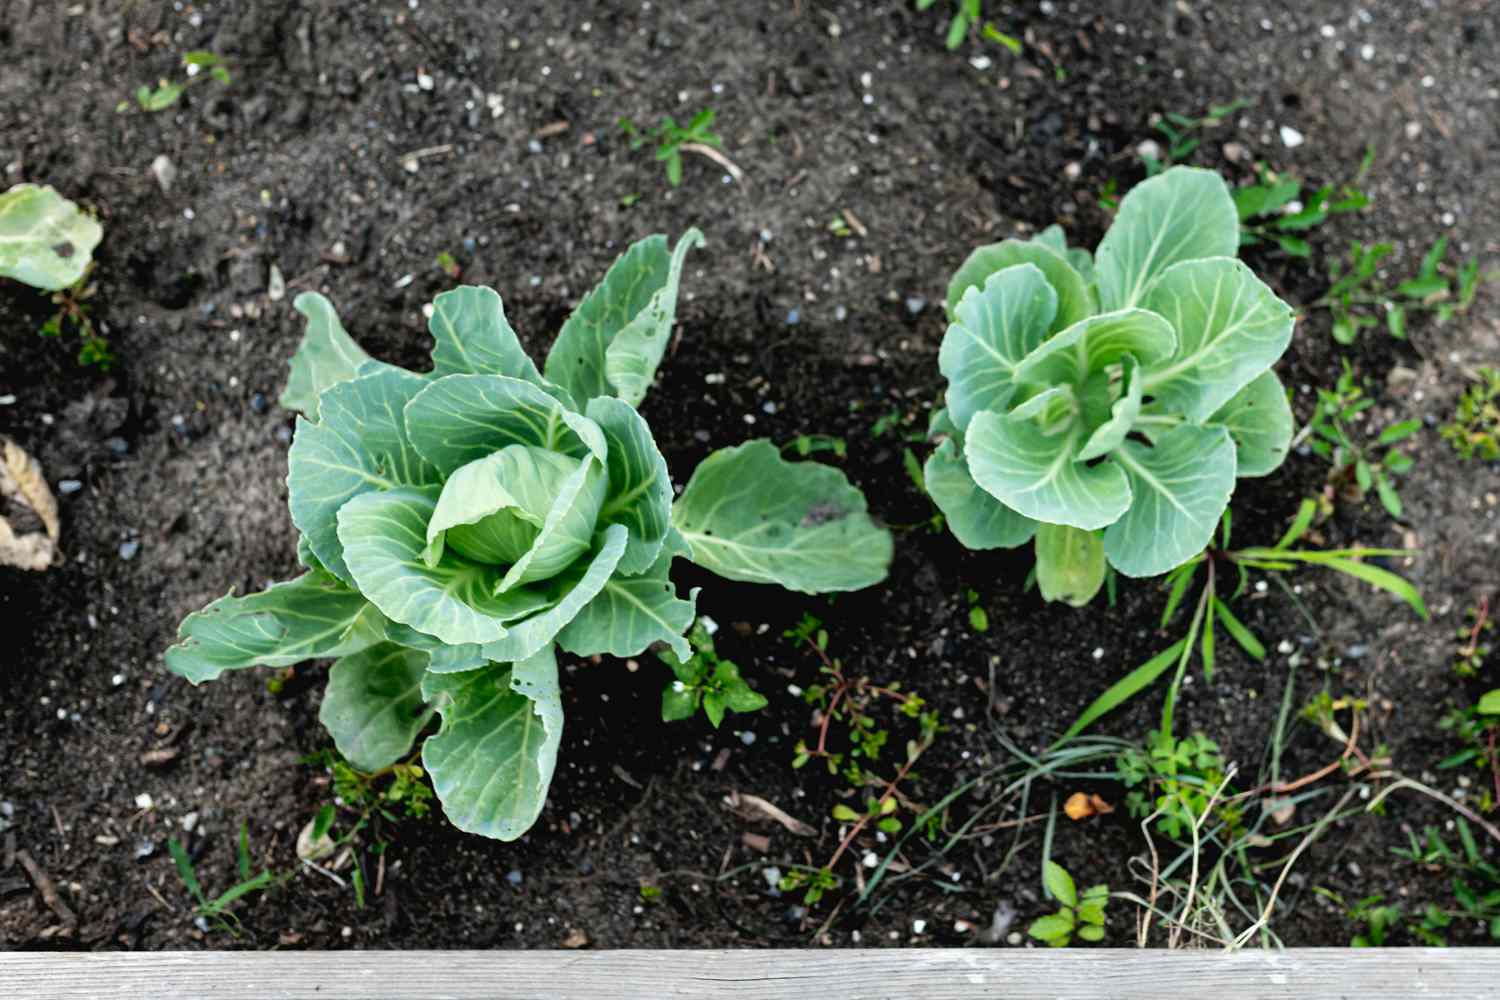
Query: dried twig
<point x="717" y="157"/>
<point x="47" y="888"/>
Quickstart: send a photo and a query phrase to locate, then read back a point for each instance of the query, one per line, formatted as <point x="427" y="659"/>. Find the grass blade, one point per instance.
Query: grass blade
<point x="1124" y="689"/>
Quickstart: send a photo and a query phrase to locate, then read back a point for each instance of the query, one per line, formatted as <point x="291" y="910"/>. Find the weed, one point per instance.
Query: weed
<point x="1357" y="295"/>
<point x="1472" y="636"/>
<point x="1211" y="611"/>
<point x="73" y="317"/>
<point x="1475" y="429"/>
<point x="704" y="680"/>
<point x="1271" y="210"/>
<point x="1173" y="780"/>
<point x="672" y="140"/>
<point x="217" y="909"/>
<point x="167" y="92"/>
<point x="852" y="702"/>
<point x="393" y="793"/>
<point x="1475" y="882"/>
<point x="1355" y="466"/>
<point x="979" y="619"/>
<point x="448" y="265"/>
<point x="966" y="14"/>
<point x="1379" y="918"/>
<point x="1182" y="134"/>
<point x="807" y="444"/>
<point x="1080" y="914"/>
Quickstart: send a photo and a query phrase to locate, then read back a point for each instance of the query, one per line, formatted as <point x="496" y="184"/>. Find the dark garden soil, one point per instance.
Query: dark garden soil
<point x="327" y="159"/>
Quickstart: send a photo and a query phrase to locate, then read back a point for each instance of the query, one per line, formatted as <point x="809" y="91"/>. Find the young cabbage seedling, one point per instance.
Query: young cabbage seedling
<point x="458" y="526"/>
<point x="1105" y="405"/>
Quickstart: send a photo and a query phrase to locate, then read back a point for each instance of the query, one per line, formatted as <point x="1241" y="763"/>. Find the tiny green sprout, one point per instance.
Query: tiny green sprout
<point x="994" y="34"/>
<point x="808" y="444"/>
<point x="217" y="909"/>
<point x="816" y="882"/>
<point x="1181" y="132"/>
<point x="626" y="200"/>
<point x="199" y="65"/>
<point x="448" y="265"/>
<point x="966" y="14"/>
<point x="650" y="893"/>
<point x="1356" y="465"/>
<point x="1272" y="209"/>
<point x="1358" y="296"/>
<point x="1475" y="430"/>
<point x="1080" y="915"/>
<point x="672" y="140"/>
<point x="705" y="681"/>
<point x="1175" y="779"/>
<point x="1473" y="636"/>
<point x="979" y="619"/>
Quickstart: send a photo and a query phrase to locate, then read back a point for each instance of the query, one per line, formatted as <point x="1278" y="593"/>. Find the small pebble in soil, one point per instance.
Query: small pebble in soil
<point x="144" y="801"/>
<point x="795" y="913"/>
<point x="258" y="403"/>
<point x="189" y="822"/>
<point x="793" y="317"/>
<point x="284" y="435"/>
<point x="514" y="877"/>
<point x="1357" y="651"/>
<point x="1284" y="647"/>
<point x="840" y="313"/>
<point x="201" y="923"/>
<point x="117" y="680"/>
<point x="915" y="304"/>
<point x="772" y="876"/>
<point x="533" y="146"/>
<point x="128" y="549"/>
<point x="871" y="859"/>
<point x="768" y="407"/>
<point x="747" y="737"/>
<point x="918" y="926"/>
<point x="1290" y="137"/>
<point x="66" y="486"/>
<point x="1098" y="653"/>
<point x="1013" y="938"/>
<point x="119" y="446"/>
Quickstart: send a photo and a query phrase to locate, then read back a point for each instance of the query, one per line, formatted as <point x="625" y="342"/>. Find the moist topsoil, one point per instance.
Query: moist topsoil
<point x="358" y="141"/>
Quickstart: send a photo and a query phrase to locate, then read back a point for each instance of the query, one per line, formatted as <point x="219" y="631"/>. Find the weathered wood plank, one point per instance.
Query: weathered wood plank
<point x="897" y="974"/>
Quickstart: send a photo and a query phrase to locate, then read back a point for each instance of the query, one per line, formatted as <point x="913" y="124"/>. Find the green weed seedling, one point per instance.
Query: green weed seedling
<point x="1475" y="882"/>
<point x="1478" y="729"/>
<point x="47" y="242"/>
<point x="1175" y="780"/>
<point x="1080" y="915"/>
<point x="1356" y="464"/>
<point x="1267" y="216"/>
<point x="1473" y="639"/>
<point x="1182" y="133"/>
<point x="1211" y="611"/>
<point x="1357" y="296"/>
<point x="672" y="140"/>
<point x="852" y="703"/>
<point x="705" y="681"/>
<point x="1475" y="430"/>
<point x="217" y="910"/>
<point x="199" y="66"/>
<point x="1378" y="917"/>
<point x="966" y="14"/>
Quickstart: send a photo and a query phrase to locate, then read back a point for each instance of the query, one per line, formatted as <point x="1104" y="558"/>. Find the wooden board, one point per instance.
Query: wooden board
<point x="894" y="974"/>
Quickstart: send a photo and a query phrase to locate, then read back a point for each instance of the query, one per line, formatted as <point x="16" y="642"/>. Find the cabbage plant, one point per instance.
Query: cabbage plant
<point x="1103" y="406"/>
<point x="458" y="527"/>
<point x="46" y="241"/>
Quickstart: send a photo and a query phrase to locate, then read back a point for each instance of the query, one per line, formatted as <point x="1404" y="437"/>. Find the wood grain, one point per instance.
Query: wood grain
<point x="894" y="974"/>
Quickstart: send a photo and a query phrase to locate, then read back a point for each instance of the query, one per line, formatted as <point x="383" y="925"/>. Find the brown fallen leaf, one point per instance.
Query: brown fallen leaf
<point x="1081" y="806"/>
<point x="755" y="807"/>
<point x="22" y="484"/>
